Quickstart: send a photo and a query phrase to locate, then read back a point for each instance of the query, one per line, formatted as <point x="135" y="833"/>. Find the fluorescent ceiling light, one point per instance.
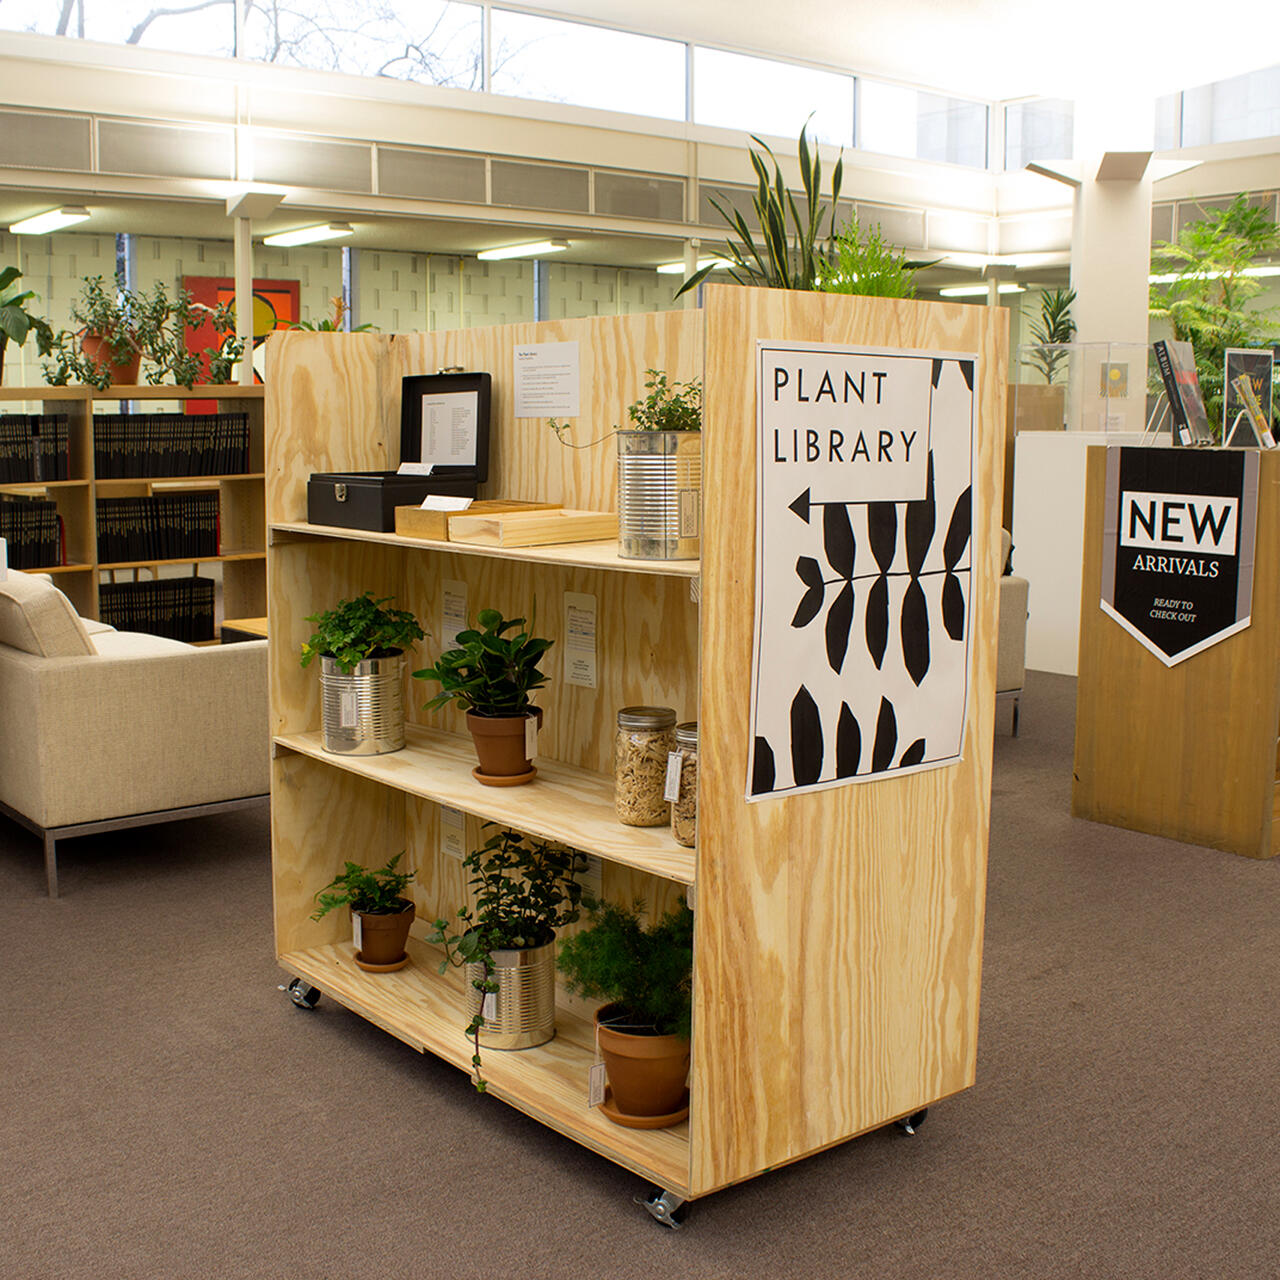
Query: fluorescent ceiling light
<point x="533" y="249"/>
<point x="311" y="235"/>
<point x="977" y="290"/>
<point x="677" y="268"/>
<point x="1272" y="270"/>
<point x="54" y="220"/>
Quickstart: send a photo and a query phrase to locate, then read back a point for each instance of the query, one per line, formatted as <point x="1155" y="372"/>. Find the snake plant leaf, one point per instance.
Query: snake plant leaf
<point x="920" y="524"/>
<point x="915" y="632"/>
<point x="763" y="768"/>
<point x="877" y="620"/>
<point x="848" y="743"/>
<point x="838" y="540"/>
<point x="882" y="532"/>
<point x="806" y="739"/>
<point x="886" y="737"/>
<point x="958" y="530"/>
<point x="913" y="754"/>
<point x="809" y="571"/>
<point x="839" y="626"/>
<point x="953" y="606"/>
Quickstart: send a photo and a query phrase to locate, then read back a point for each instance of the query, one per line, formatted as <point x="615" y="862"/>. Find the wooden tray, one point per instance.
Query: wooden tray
<point x="533" y="528"/>
<point x="414" y="522"/>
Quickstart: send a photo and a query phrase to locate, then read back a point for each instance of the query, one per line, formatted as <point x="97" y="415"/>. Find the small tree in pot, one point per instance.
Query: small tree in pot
<point x="524" y="890"/>
<point x="381" y="914"/>
<point x="360" y="644"/>
<point x="646" y="976"/>
<point x="491" y="674"/>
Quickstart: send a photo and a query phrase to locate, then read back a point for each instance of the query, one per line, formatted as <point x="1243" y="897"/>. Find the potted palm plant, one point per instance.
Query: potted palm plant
<point x="361" y="644"/>
<point x="524" y="890"/>
<point x="491" y="674"/>
<point x="645" y="974"/>
<point x="381" y="915"/>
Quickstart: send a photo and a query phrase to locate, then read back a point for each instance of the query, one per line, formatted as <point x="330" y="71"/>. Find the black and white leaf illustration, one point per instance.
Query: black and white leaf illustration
<point x="920" y="524"/>
<point x="886" y="737"/>
<point x="837" y="538"/>
<point x="806" y="739"/>
<point x="958" y="530"/>
<point x="936" y="373"/>
<point x="877" y="623"/>
<point x="882" y="531"/>
<point x="915" y="632"/>
<point x="809" y="571"/>
<point x="763" y="770"/>
<point x="953" y="606"/>
<point x="848" y="743"/>
<point x="966" y="370"/>
<point x="839" y="625"/>
<point x="913" y="754"/>
<point x="801" y="506"/>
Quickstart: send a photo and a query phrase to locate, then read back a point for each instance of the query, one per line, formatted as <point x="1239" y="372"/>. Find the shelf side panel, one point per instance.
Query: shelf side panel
<point x="839" y="933"/>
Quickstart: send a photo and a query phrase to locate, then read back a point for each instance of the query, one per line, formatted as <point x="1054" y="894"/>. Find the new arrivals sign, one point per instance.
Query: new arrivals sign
<point x="863" y="564"/>
<point x="1178" y="545"/>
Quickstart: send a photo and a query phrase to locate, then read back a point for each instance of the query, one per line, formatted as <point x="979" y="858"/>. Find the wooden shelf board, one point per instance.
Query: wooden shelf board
<point x="563" y="803"/>
<point x="549" y="1082"/>
<point x="195" y="482"/>
<point x="60" y="568"/>
<point x="149" y="564"/>
<point x="37" y="486"/>
<point x="229" y="391"/>
<point x="578" y="555"/>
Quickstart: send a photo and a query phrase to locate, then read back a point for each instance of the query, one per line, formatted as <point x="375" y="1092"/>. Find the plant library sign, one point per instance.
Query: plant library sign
<point x="864" y="526"/>
<point x="1178" y="546"/>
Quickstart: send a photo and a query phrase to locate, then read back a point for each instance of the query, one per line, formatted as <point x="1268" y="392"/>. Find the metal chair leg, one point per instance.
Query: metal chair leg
<point x="51" y="863"/>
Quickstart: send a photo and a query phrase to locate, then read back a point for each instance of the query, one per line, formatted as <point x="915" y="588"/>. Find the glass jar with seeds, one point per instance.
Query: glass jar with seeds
<point x="684" y="809"/>
<point x="644" y="739"/>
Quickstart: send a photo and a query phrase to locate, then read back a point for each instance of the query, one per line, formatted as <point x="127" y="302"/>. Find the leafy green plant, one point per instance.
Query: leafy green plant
<point x="358" y="629"/>
<point x="16" y="322"/>
<point x="648" y="971"/>
<point x="334" y="325"/>
<point x="785" y="257"/>
<point x="150" y="325"/>
<point x="375" y="893"/>
<point x="492" y="672"/>
<point x="524" y="890"/>
<point x="669" y="406"/>
<point x="866" y="264"/>
<point x="1054" y="328"/>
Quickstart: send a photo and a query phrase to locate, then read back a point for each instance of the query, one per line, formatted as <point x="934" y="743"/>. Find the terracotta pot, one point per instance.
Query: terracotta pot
<point x="382" y="938"/>
<point x="98" y="348"/>
<point x="647" y="1073"/>
<point x="500" y="748"/>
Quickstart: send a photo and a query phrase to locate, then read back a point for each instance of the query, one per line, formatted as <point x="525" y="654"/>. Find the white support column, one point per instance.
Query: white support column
<point x="244" y="297"/>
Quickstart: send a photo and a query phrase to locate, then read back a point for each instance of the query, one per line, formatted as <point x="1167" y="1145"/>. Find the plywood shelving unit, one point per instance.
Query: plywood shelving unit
<point x="242" y="509"/>
<point x="859" y="910"/>
<point x="1189" y="751"/>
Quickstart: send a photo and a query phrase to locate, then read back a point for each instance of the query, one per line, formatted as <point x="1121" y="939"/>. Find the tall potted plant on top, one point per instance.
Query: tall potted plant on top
<point x="16" y="322"/>
<point x="491" y="673"/>
<point x="361" y="644"/>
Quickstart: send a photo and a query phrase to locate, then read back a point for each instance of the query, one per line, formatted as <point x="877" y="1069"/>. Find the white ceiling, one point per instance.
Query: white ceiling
<point x="983" y="48"/>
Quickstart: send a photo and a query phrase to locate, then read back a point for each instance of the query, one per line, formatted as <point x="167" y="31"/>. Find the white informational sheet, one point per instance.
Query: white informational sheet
<point x="580" y="639"/>
<point x="415" y="469"/>
<point x="443" y="502"/>
<point x="453" y="833"/>
<point x="547" y="377"/>
<point x="453" y="612"/>
<point x="449" y="428"/>
<point x="863" y="564"/>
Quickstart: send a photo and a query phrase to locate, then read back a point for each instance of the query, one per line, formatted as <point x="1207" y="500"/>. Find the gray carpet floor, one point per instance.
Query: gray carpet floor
<point x="166" y="1112"/>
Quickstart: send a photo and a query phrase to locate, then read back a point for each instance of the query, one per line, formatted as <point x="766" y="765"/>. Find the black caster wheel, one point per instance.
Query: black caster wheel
<point x="909" y="1124"/>
<point x="303" y="994"/>
<point x="665" y="1207"/>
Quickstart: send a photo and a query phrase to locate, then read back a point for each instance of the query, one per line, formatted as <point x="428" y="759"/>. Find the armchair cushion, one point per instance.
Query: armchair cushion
<point x="36" y="618"/>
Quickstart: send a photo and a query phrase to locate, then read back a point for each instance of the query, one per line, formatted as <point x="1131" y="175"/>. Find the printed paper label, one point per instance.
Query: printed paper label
<point x="452" y="833"/>
<point x="453" y="612"/>
<point x="671" y="786"/>
<point x="489" y="1006"/>
<point x="595" y="1084"/>
<point x="347" y="709"/>
<point x="580" y="639"/>
<point x="531" y="737"/>
<point x="357" y="934"/>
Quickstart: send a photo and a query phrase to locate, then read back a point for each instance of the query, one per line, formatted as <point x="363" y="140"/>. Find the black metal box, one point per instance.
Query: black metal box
<point x="444" y="414"/>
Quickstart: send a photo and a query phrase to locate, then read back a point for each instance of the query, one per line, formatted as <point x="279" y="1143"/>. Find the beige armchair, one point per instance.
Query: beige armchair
<point x="103" y="729"/>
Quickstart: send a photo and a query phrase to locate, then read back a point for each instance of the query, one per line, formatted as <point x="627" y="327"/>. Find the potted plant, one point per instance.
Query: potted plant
<point x="646" y="976"/>
<point x="1038" y="408"/>
<point x="381" y="915"/>
<point x="361" y="645"/>
<point x="491" y="674"/>
<point x="16" y="322"/>
<point x="524" y="890"/>
<point x="120" y="328"/>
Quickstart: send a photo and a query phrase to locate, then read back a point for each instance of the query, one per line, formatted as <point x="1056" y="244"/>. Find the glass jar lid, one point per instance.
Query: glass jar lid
<point x="646" y="718"/>
<point x="687" y="734"/>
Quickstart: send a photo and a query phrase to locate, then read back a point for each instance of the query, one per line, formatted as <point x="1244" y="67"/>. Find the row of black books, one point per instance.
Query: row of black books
<point x="33" y="532"/>
<point x="180" y="608"/>
<point x="34" y="446"/>
<point x="170" y="444"/>
<point x="165" y="526"/>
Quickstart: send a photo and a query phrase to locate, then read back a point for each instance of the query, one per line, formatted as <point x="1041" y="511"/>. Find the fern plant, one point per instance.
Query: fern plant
<point x="375" y="893"/>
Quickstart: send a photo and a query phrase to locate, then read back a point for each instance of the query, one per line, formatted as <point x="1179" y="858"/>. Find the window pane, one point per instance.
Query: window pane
<point x="427" y="41"/>
<point x="762" y="96"/>
<point x="139" y="22"/>
<point x="1168" y="122"/>
<point x="886" y="118"/>
<point x="1245" y="106"/>
<point x="951" y="129"/>
<point x="1037" y="131"/>
<point x="587" y="66"/>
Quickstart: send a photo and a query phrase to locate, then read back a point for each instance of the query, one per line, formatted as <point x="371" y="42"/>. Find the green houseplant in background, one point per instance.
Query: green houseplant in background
<point x="381" y="913"/>
<point x="645" y="974"/>
<point x="334" y="324"/>
<point x="1054" y="328"/>
<point x="361" y="644"/>
<point x="523" y="890"/>
<point x="492" y="672"/>
<point x="866" y="264"/>
<point x="16" y="322"/>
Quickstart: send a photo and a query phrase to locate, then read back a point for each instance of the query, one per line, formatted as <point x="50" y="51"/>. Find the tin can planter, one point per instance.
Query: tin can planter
<point x="522" y="1012"/>
<point x="659" y="494"/>
<point x="362" y="712"/>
